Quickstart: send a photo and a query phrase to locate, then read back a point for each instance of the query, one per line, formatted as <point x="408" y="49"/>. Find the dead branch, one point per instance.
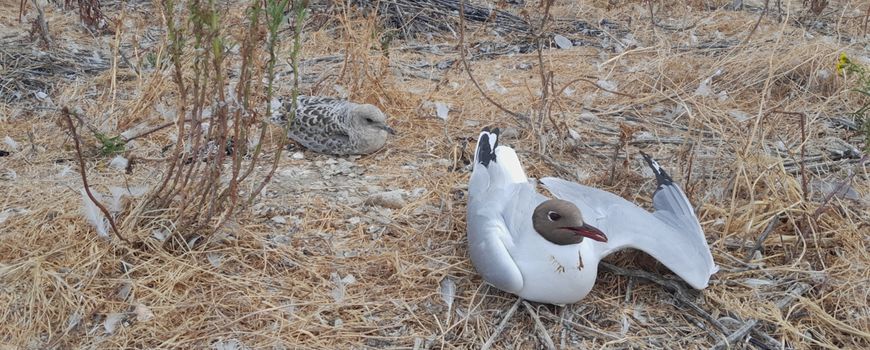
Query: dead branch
<point x="546" y="77"/>
<point x="599" y="87"/>
<point x="40" y="24"/>
<point x="589" y="331"/>
<point x="794" y="292"/>
<point x="548" y="341"/>
<point x="755" y="27"/>
<point x="679" y="292"/>
<point x="153" y="130"/>
<point x="501" y="325"/>
<point x="519" y="117"/>
<point x="774" y="222"/>
<point x="72" y="129"/>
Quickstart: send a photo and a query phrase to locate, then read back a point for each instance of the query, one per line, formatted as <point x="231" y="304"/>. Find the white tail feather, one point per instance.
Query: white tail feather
<point x="509" y="164"/>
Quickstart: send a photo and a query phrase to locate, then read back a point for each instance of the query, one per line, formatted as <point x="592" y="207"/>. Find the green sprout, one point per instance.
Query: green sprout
<point x="110" y="145"/>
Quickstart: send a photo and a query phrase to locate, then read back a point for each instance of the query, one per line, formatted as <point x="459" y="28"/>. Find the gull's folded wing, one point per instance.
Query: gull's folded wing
<point x="488" y="241"/>
<point x="495" y="178"/>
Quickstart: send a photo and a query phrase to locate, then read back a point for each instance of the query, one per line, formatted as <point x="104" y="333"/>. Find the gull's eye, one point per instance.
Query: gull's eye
<point x="554" y="216"/>
<point x="370" y="120"/>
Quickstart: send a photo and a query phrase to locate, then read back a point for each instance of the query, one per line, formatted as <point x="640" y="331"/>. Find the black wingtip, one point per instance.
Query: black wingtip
<point x="486" y="148"/>
<point x="662" y="176"/>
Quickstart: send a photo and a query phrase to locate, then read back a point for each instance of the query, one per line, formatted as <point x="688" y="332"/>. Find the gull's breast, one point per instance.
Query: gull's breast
<point x="557" y="274"/>
<point x="368" y="142"/>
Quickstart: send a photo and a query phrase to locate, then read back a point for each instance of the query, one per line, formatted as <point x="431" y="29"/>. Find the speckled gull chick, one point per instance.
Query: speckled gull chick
<point x="333" y="126"/>
<point x="547" y="250"/>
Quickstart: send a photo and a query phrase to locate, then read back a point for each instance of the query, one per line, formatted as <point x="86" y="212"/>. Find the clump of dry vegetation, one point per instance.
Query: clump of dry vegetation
<point x="217" y="119"/>
<point x="861" y="76"/>
<point x="236" y="243"/>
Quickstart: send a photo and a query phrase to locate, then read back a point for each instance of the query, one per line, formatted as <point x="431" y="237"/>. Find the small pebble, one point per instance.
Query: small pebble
<point x="282" y="240"/>
<point x="394" y="199"/>
<point x="444" y="64"/>
<point x="373" y="189"/>
<point x="510" y="133"/>
<point x="417" y="192"/>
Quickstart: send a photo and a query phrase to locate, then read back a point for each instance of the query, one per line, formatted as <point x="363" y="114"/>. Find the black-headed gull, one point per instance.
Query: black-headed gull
<point x="547" y="250"/>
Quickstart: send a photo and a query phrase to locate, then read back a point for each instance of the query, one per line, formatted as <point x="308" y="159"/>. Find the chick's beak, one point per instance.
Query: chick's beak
<point x="388" y="129"/>
<point x="589" y="231"/>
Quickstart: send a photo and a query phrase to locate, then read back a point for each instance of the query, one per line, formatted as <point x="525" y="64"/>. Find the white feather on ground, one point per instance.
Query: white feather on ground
<point x="93" y="214"/>
<point x="118" y="194"/>
<point x="11" y="143"/>
<point x="119" y="163"/>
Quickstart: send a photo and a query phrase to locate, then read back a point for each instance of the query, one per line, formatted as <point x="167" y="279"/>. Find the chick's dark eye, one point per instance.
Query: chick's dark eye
<point x="554" y="216"/>
<point x="369" y="120"/>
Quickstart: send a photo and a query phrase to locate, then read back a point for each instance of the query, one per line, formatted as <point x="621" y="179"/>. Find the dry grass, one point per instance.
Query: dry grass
<point x="60" y="284"/>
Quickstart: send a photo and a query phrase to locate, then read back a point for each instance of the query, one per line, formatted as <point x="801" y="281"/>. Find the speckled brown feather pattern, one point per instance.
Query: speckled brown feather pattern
<point x="327" y="125"/>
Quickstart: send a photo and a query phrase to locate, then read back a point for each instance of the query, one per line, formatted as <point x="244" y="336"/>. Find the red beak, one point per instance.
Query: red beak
<point x="589" y="231"/>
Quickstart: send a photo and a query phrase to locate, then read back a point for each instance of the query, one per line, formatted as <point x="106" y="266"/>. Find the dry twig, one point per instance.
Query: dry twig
<point x="755" y="26"/>
<point x="548" y="341"/>
<point x="519" y="117"/>
<point x="501" y="325"/>
<point x="40" y="24"/>
<point x="674" y="286"/>
<point x="793" y="293"/>
<point x="75" y="136"/>
<point x="774" y="222"/>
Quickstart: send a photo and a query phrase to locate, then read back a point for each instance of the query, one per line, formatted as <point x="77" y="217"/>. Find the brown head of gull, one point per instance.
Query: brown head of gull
<point x="561" y="223"/>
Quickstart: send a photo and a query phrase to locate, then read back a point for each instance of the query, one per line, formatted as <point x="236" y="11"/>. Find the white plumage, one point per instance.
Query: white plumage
<point x="511" y="255"/>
